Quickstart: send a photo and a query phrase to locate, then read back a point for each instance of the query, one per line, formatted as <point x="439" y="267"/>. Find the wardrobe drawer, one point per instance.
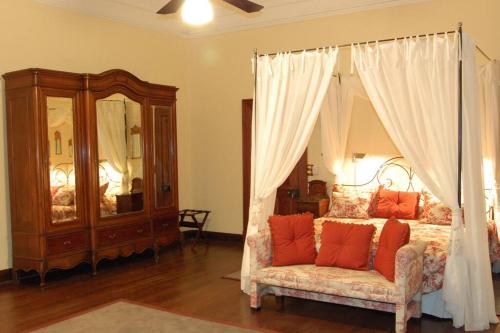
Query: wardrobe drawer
<point x="123" y="234"/>
<point x="77" y="241"/>
<point x="169" y="225"/>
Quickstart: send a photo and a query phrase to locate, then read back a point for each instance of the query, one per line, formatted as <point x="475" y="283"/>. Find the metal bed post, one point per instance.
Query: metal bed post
<point x="460" y="115"/>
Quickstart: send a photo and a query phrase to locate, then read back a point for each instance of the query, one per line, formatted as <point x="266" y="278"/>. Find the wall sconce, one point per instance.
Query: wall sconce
<point x="312" y="170"/>
<point x="357" y="156"/>
<point x="355" y="159"/>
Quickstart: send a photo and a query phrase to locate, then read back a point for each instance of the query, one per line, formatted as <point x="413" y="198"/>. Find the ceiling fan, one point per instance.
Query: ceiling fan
<point x="245" y="5"/>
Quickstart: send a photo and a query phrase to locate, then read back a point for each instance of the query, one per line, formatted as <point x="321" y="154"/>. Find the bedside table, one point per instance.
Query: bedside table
<point x="129" y="202"/>
<point x="317" y="206"/>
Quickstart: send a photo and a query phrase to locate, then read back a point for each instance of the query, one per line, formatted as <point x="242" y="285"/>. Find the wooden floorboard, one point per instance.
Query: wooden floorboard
<point x="191" y="283"/>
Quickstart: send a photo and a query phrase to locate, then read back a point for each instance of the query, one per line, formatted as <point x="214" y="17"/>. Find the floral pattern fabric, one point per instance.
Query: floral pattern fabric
<point x="419" y="269"/>
<point x="64" y="196"/>
<point x="367" y="289"/>
<point x="350" y="204"/>
<point x="63" y="213"/>
<point x="435" y="212"/>
<point x="331" y="280"/>
<point x="436" y="237"/>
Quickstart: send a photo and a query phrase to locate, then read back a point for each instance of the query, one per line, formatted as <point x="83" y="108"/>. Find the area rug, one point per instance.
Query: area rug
<point x="129" y="317"/>
<point x="233" y="276"/>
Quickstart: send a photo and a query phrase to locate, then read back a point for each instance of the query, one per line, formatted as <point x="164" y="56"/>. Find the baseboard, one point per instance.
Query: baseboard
<point x="215" y="235"/>
<point x="5" y="275"/>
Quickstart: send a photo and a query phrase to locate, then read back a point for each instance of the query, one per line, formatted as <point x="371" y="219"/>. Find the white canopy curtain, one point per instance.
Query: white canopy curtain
<point x="289" y="94"/>
<point x="413" y="86"/>
<point x="335" y="121"/>
<point x="480" y="305"/>
<point x="59" y="116"/>
<point x="111" y="137"/>
<point x="490" y="117"/>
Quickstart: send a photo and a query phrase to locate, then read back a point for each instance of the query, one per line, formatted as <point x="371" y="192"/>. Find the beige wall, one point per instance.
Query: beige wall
<point x="214" y="75"/>
<point x="366" y="135"/>
<point x="35" y="35"/>
<point x="220" y="77"/>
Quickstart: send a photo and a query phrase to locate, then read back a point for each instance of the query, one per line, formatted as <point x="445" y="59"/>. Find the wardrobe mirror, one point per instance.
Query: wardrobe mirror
<point x="120" y="147"/>
<point x="61" y="160"/>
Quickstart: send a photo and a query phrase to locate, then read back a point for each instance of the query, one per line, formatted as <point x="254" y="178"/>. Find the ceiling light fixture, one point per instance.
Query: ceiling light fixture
<point x="197" y="12"/>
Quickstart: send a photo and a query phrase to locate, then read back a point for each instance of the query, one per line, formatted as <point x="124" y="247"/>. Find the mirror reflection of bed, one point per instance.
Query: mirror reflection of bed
<point x="61" y="160"/>
<point x="119" y="123"/>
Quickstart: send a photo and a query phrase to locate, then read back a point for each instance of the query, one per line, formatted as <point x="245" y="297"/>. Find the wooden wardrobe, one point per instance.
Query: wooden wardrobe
<point x="92" y="167"/>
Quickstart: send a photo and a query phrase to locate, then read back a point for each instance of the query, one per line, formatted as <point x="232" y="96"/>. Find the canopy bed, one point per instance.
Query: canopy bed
<point x="92" y="165"/>
<point x="425" y="91"/>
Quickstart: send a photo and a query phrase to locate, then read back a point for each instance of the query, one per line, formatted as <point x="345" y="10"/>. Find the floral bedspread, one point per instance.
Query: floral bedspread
<point x="62" y="213"/>
<point x="436" y="237"/>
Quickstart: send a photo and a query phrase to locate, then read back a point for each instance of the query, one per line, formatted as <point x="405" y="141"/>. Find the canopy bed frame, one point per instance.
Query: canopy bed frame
<point x="419" y="74"/>
<point x="95" y="199"/>
<point x="349" y="45"/>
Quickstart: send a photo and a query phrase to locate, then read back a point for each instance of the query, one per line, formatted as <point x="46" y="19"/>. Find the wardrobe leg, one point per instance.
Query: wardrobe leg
<point x="43" y="272"/>
<point x="94" y="265"/>
<point x="15" y="276"/>
<point x="156" y="250"/>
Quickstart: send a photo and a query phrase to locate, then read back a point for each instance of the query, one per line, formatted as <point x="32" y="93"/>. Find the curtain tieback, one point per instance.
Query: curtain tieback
<point x="456" y="218"/>
<point x="457" y="233"/>
<point x="257" y="207"/>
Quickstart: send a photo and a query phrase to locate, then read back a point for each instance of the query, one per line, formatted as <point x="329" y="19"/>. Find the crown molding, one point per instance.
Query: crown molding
<point x="180" y="30"/>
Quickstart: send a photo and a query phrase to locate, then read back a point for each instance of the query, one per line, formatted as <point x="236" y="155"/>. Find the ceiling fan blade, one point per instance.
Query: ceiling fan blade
<point x="171" y="7"/>
<point x="245" y="5"/>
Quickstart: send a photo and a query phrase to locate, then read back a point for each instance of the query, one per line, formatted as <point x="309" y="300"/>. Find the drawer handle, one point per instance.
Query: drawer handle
<point x="164" y="225"/>
<point x="68" y="242"/>
<point x="112" y="236"/>
<point x="140" y="231"/>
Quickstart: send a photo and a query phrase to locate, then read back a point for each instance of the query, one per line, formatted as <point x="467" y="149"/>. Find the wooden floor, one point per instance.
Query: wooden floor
<point x="189" y="283"/>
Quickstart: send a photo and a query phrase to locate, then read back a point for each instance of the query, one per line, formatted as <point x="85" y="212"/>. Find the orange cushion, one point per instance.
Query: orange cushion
<point x="345" y="245"/>
<point x="292" y="239"/>
<point x="389" y="204"/>
<point x="393" y="236"/>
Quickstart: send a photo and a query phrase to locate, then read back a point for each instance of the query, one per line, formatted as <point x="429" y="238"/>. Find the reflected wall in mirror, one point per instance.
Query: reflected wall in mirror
<point x="120" y="155"/>
<point x="135" y="142"/>
<point x="61" y="161"/>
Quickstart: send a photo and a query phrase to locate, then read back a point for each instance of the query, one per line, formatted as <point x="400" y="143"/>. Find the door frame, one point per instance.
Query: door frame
<point x="246" y="125"/>
<point x="300" y="168"/>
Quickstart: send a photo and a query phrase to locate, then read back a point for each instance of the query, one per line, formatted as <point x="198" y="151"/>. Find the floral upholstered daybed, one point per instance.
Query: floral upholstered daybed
<point x="366" y="289"/>
<point x="420" y="265"/>
<point x="432" y="224"/>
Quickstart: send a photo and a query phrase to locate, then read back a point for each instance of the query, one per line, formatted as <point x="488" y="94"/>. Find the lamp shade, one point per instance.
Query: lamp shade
<point x="197" y="12"/>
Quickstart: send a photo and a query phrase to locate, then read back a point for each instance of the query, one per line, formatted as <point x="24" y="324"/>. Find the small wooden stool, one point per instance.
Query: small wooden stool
<point x="194" y="222"/>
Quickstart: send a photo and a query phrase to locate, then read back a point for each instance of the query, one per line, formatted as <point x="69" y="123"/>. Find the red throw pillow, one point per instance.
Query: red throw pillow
<point x="393" y="236"/>
<point x="389" y="204"/>
<point x="292" y="238"/>
<point x="345" y="245"/>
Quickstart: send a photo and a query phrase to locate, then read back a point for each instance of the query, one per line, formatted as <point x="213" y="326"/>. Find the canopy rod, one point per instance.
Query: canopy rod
<point x="460" y="121"/>
<point x="379" y="41"/>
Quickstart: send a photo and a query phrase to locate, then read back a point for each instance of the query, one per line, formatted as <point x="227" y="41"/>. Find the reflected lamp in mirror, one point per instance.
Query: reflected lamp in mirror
<point x="57" y="143"/>
<point x="70" y="148"/>
<point x="312" y="170"/>
<point x="135" y="142"/>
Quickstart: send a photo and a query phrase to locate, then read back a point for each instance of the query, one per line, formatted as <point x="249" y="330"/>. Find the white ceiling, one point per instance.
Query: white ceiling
<point x="227" y="18"/>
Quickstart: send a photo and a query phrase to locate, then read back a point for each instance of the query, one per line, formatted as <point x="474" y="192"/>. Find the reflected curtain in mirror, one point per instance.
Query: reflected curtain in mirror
<point x="120" y="154"/>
